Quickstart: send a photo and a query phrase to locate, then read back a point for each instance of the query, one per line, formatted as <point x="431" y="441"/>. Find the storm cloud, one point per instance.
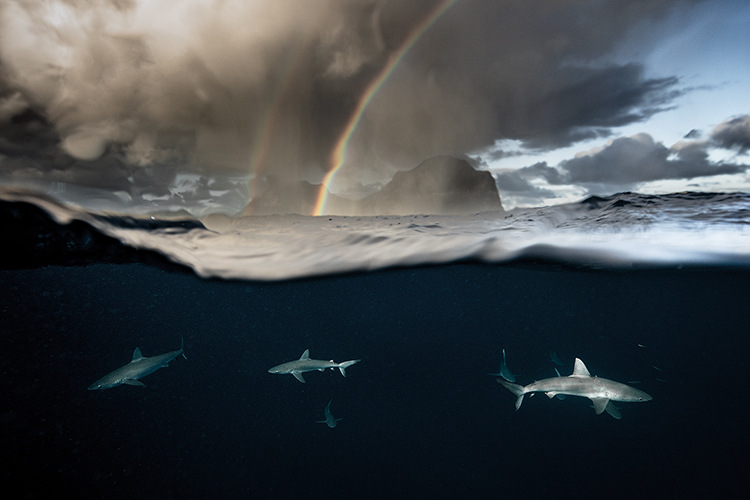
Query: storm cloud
<point x="625" y="163"/>
<point x="127" y="95"/>
<point x="733" y="133"/>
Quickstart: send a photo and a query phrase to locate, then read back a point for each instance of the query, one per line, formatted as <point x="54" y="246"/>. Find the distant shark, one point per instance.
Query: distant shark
<point x="139" y="367"/>
<point x="305" y="364"/>
<point x="600" y="391"/>
<point x="553" y="357"/>
<point x="505" y="371"/>
<point x="330" y="420"/>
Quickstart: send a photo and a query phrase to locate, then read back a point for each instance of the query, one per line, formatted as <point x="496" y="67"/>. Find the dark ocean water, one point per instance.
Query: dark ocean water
<point x="421" y="417"/>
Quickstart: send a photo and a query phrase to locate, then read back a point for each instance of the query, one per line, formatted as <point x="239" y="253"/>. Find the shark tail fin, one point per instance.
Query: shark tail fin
<point x="515" y="389"/>
<point x="346" y="364"/>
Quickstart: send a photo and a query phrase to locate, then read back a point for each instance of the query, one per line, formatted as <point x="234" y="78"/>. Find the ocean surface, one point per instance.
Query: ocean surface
<point x="652" y="291"/>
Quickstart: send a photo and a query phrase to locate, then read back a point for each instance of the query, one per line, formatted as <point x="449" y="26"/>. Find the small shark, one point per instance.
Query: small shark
<point x="305" y="364"/>
<point x="600" y="391"/>
<point x="330" y="420"/>
<point x="139" y="367"/>
<point x="505" y="371"/>
<point x="553" y="357"/>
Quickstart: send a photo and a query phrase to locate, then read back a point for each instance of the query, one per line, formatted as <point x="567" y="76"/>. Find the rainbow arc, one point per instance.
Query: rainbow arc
<point x="338" y="156"/>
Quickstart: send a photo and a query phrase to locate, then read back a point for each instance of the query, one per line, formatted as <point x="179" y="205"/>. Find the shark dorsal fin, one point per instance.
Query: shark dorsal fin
<point x="305" y="355"/>
<point x="137" y="354"/>
<point x="580" y="370"/>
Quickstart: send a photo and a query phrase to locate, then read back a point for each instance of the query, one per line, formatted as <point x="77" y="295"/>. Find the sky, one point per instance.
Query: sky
<point x="128" y="105"/>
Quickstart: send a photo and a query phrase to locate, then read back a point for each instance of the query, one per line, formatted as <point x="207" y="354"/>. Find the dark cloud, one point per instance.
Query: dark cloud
<point x="598" y="100"/>
<point x="222" y="89"/>
<point x="733" y="133"/>
<point x="623" y="164"/>
<point x="518" y="180"/>
<point x="628" y="161"/>
<point x="517" y="186"/>
<point x="499" y="154"/>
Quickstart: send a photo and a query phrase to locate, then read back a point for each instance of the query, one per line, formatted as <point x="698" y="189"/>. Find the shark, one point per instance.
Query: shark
<point x="553" y="357"/>
<point x="600" y="391"/>
<point x="504" y="371"/>
<point x="330" y="420"/>
<point x="305" y="364"/>
<point x="139" y="367"/>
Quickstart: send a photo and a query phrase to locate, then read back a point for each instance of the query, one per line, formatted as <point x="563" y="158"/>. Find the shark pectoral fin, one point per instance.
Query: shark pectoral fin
<point x="600" y="404"/>
<point x="551" y="394"/>
<point x="613" y="410"/>
<point x="131" y="381"/>
<point x="298" y="376"/>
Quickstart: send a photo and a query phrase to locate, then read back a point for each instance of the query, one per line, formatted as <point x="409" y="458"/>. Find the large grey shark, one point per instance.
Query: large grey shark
<point x="600" y="391"/>
<point x="305" y="364"/>
<point x="139" y="367"/>
<point x="330" y="420"/>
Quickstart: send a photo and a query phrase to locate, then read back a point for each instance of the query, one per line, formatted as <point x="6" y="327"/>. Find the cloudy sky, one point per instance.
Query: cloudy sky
<point x="127" y="103"/>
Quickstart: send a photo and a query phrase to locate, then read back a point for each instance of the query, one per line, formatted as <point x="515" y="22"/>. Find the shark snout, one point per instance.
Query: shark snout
<point x="641" y="396"/>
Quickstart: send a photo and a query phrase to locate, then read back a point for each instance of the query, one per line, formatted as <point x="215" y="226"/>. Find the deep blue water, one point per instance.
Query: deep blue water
<point x="421" y="417"/>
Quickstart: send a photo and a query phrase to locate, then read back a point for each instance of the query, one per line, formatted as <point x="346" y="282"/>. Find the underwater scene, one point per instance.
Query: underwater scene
<point x="420" y="412"/>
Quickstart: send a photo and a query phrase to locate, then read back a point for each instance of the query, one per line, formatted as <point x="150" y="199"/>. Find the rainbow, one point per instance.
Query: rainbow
<point x="338" y="156"/>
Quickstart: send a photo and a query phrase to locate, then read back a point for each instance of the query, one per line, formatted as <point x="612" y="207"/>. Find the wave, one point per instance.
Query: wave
<point x="621" y="231"/>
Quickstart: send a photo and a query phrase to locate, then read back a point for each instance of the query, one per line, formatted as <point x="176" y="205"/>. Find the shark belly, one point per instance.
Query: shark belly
<point x="147" y="369"/>
<point x="571" y="386"/>
<point x="313" y="364"/>
<point x="588" y="387"/>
